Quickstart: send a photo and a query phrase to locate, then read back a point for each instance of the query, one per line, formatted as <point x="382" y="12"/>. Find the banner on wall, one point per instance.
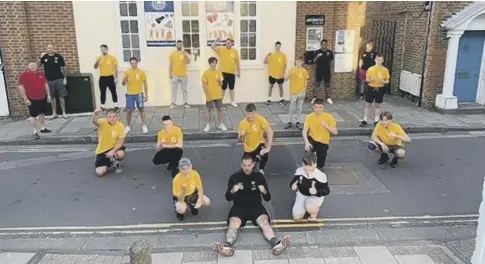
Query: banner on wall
<point x="159" y="23"/>
<point x="220" y="21"/>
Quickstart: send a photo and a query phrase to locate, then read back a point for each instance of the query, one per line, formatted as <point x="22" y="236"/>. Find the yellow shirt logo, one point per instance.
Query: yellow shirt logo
<point x="255" y="128"/>
<point x="108" y="62"/>
<point x="181" y="57"/>
<point x="173" y="139"/>
<point x="232" y="55"/>
<point x="114" y="134"/>
<point x="137" y="76"/>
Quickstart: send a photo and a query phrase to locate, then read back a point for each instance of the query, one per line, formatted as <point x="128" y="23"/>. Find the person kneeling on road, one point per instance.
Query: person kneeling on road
<point x="111" y="139"/>
<point x="388" y="137"/>
<point x="187" y="190"/>
<point x="247" y="188"/>
<point x="170" y="141"/>
<point x="311" y="187"/>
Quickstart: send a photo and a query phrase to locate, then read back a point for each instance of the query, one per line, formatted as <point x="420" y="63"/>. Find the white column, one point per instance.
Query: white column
<point x="479" y="253"/>
<point x="446" y="100"/>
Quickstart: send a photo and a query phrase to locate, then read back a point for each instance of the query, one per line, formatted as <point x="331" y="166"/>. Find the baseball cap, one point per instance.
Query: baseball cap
<point x="184" y="162"/>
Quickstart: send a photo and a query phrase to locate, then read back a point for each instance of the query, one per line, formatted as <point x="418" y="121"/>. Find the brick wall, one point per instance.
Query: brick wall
<point x="25" y="30"/>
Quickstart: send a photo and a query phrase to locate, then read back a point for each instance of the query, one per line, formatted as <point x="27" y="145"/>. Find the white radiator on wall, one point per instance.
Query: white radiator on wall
<point x="410" y="83"/>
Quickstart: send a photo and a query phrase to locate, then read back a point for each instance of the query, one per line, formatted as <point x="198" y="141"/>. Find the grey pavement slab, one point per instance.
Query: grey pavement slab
<point x="15" y="257"/>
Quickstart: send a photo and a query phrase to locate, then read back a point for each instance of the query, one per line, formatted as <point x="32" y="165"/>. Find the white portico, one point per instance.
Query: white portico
<point x="464" y="78"/>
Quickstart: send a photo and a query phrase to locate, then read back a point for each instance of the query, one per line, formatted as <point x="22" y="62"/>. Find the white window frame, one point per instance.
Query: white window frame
<point x="238" y="17"/>
<point x="141" y="32"/>
<point x="179" y="32"/>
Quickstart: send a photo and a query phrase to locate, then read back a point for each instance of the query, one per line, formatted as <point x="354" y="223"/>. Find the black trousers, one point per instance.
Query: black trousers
<point x="107" y="82"/>
<point x="263" y="160"/>
<point x="321" y="150"/>
<point x="170" y="156"/>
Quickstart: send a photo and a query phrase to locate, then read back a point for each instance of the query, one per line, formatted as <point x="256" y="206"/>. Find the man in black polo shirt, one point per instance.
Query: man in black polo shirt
<point x="323" y="59"/>
<point x="366" y="61"/>
<point x="55" y="72"/>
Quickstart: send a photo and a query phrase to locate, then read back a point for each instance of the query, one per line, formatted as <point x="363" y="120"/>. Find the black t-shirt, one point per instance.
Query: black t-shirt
<point x="369" y="59"/>
<point x="323" y="61"/>
<point x="249" y="195"/>
<point x="52" y="66"/>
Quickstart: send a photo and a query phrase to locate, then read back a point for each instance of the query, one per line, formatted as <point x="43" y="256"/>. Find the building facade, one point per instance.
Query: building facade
<point x="411" y="35"/>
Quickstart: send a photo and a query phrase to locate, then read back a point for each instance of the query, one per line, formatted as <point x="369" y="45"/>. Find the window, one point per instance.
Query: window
<point x="190" y="27"/>
<point x="248" y="30"/>
<point x="130" y="31"/>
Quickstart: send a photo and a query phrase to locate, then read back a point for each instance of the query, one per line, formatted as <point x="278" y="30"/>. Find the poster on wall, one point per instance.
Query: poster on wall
<point x="343" y="62"/>
<point x="159" y="23"/>
<point x="314" y="36"/>
<point x="344" y="41"/>
<point x="220" y="21"/>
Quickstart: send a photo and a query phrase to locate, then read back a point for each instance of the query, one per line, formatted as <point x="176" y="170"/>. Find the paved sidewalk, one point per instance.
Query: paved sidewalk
<point x="78" y="129"/>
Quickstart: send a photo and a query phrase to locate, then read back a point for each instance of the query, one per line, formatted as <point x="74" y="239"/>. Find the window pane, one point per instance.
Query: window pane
<point x="244" y="26"/>
<point x="194" y="9"/>
<point x="135" y="41"/>
<point x="133" y="26"/>
<point x="132" y="9"/>
<point x="252" y="26"/>
<point x="125" y="41"/>
<point x="252" y="41"/>
<point x="244" y="9"/>
<point x="185" y="26"/>
<point x="123" y="9"/>
<point x="125" y="26"/>
<point x="185" y="9"/>
<point x="126" y="55"/>
<point x="252" y="9"/>
<point x="195" y="41"/>
<point x="187" y="40"/>
<point x="189" y="51"/>
<point x="195" y="26"/>
<point x="252" y="54"/>
<point x="244" y="54"/>
<point x="136" y="54"/>
<point x="244" y="40"/>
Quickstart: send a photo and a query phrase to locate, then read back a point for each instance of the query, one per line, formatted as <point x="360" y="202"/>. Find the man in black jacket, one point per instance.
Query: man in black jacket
<point x="246" y="189"/>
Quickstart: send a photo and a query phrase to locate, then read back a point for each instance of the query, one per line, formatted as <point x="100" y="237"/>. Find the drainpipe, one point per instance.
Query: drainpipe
<point x="428" y="30"/>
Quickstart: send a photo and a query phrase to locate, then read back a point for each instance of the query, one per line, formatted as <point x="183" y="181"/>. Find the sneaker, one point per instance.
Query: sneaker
<point x="329" y="101"/>
<point x="363" y="123"/>
<point x="361" y="97"/>
<point x="299" y="125"/>
<point x="65" y="116"/>
<point x="116" y="108"/>
<point x="289" y="125"/>
<point x="144" y="129"/>
<point x="224" y="249"/>
<point x="36" y="136"/>
<point x="282" y="245"/>
<point x="234" y="104"/>
<point x="45" y="130"/>
<point x="172" y="106"/>
<point x="52" y="117"/>
<point x="194" y="211"/>
<point x="313" y="100"/>
<point x="268" y="102"/>
<point x="180" y="217"/>
<point x="222" y="127"/>
<point x="116" y="165"/>
<point x="186" y="105"/>
<point x="283" y="102"/>
<point x="383" y="159"/>
<point x="207" y="128"/>
<point x="127" y="129"/>
<point x="393" y="163"/>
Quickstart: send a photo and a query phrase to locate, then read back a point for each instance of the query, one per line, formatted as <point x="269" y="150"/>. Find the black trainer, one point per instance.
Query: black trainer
<point x="36" y="136"/>
<point x="282" y="101"/>
<point x="289" y="125"/>
<point x="363" y="123"/>
<point x="299" y="125"/>
<point x="194" y="211"/>
<point x="383" y="159"/>
<point x="45" y="130"/>
<point x="393" y="163"/>
<point x="180" y="217"/>
<point x="268" y="102"/>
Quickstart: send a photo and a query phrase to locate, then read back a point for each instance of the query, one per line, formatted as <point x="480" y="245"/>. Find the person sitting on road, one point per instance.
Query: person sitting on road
<point x="111" y="139"/>
<point x="187" y="190"/>
<point x="388" y="137"/>
<point x="170" y="141"/>
<point x="311" y="187"/>
<point x="246" y="188"/>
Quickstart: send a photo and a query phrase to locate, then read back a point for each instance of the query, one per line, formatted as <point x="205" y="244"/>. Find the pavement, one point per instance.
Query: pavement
<point x="79" y="130"/>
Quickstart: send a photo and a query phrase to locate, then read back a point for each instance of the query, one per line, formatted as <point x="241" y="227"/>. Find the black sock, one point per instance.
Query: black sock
<point x="274" y="241"/>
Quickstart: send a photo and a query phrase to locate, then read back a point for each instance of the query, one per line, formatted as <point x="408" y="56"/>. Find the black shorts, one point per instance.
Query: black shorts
<point x="374" y="95"/>
<point x="103" y="161"/>
<point x="229" y="81"/>
<point x="247" y="214"/>
<point x="324" y="76"/>
<point x="190" y="200"/>
<point x="278" y="81"/>
<point x="392" y="148"/>
<point x="255" y="153"/>
<point x="38" y="107"/>
<point x="107" y="81"/>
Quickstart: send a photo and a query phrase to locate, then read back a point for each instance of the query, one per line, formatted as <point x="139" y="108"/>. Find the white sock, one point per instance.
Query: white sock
<point x="115" y="104"/>
<point x="102" y="105"/>
<point x="42" y="128"/>
<point x="365" y="118"/>
<point x="34" y="130"/>
<point x="269" y="98"/>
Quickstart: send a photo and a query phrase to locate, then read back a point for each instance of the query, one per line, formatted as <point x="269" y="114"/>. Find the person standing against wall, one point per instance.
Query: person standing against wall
<point x="55" y="73"/>
<point x="229" y="66"/>
<point x="276" y="69"/>
<point x="178" y="73"/>
<point x="135" y="80"/>
<point x="366" y="61"/>
<point x="323" y="60"/>
<point x="108" y="74"/>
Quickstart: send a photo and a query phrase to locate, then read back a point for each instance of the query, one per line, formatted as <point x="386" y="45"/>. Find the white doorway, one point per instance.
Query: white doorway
<point x="4" y="111"/>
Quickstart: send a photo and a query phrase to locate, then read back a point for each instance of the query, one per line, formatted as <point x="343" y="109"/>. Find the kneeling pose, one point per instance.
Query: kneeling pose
<point x="187" y="190"/>
<point x="170" y="141"/>
<point x="311" y="187"/>
<point x="246" y="189"/>
<point x="388" y="137"/>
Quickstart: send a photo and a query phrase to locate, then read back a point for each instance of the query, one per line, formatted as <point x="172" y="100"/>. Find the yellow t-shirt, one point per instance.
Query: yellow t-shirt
<point x="276" y="65"/>
<point x="254" y="132"/>
<point x="179" y="63"/>
<point x="317" y="131"/>
<point x="298" y="78"/>
<point x="108" y="135"/>
<point x="227" y="59"/>
<point x="171" y="137"/>
<point x="375" y="72"/>
<point x="384" y="134"/>
<point x="136" y="77"/>
<point x="107" y="65"/>
<point x="191" y="182"/>
<point x="213" y="79"/>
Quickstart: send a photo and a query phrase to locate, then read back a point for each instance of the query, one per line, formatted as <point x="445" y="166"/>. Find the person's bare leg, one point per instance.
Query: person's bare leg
<point x="277" y="245"/>
<point x="227" y="248"/>
<point x="208" y="116"/>
<point x="35" y="125"/>
<point x="41" y="121"/>
<point x="129" y="115"/>
<point x="270" y="90"/>
<point x="54" y="108"/>
<point x="280" y="86"/>
<point x="232" y="95"/>
<point x="143" y="116"/>
<point x="101" y="171"/>
<point x="377" y="111"/>
<point x="62" y="101"/>
<point x="219" y="116"/>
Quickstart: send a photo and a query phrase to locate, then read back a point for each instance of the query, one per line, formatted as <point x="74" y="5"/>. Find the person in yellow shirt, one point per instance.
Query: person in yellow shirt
<point x="276" y="69"/>
<point x="251" y="133"/>
<point x="229" y="66"/>
<point x="317" y="130"/>
<point x="111" y="139"/>
<point x="187" y="190"/>
<point x="377" y="77"/>
<point x="135" y="80"/>
<point x="211" y="83"/>
<point x="178" y="73"/>
<point x="388" y="137"/>
<point x="170" y="143"/>
<point x="108" y="74"/>
<point x="298" y="77"/>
